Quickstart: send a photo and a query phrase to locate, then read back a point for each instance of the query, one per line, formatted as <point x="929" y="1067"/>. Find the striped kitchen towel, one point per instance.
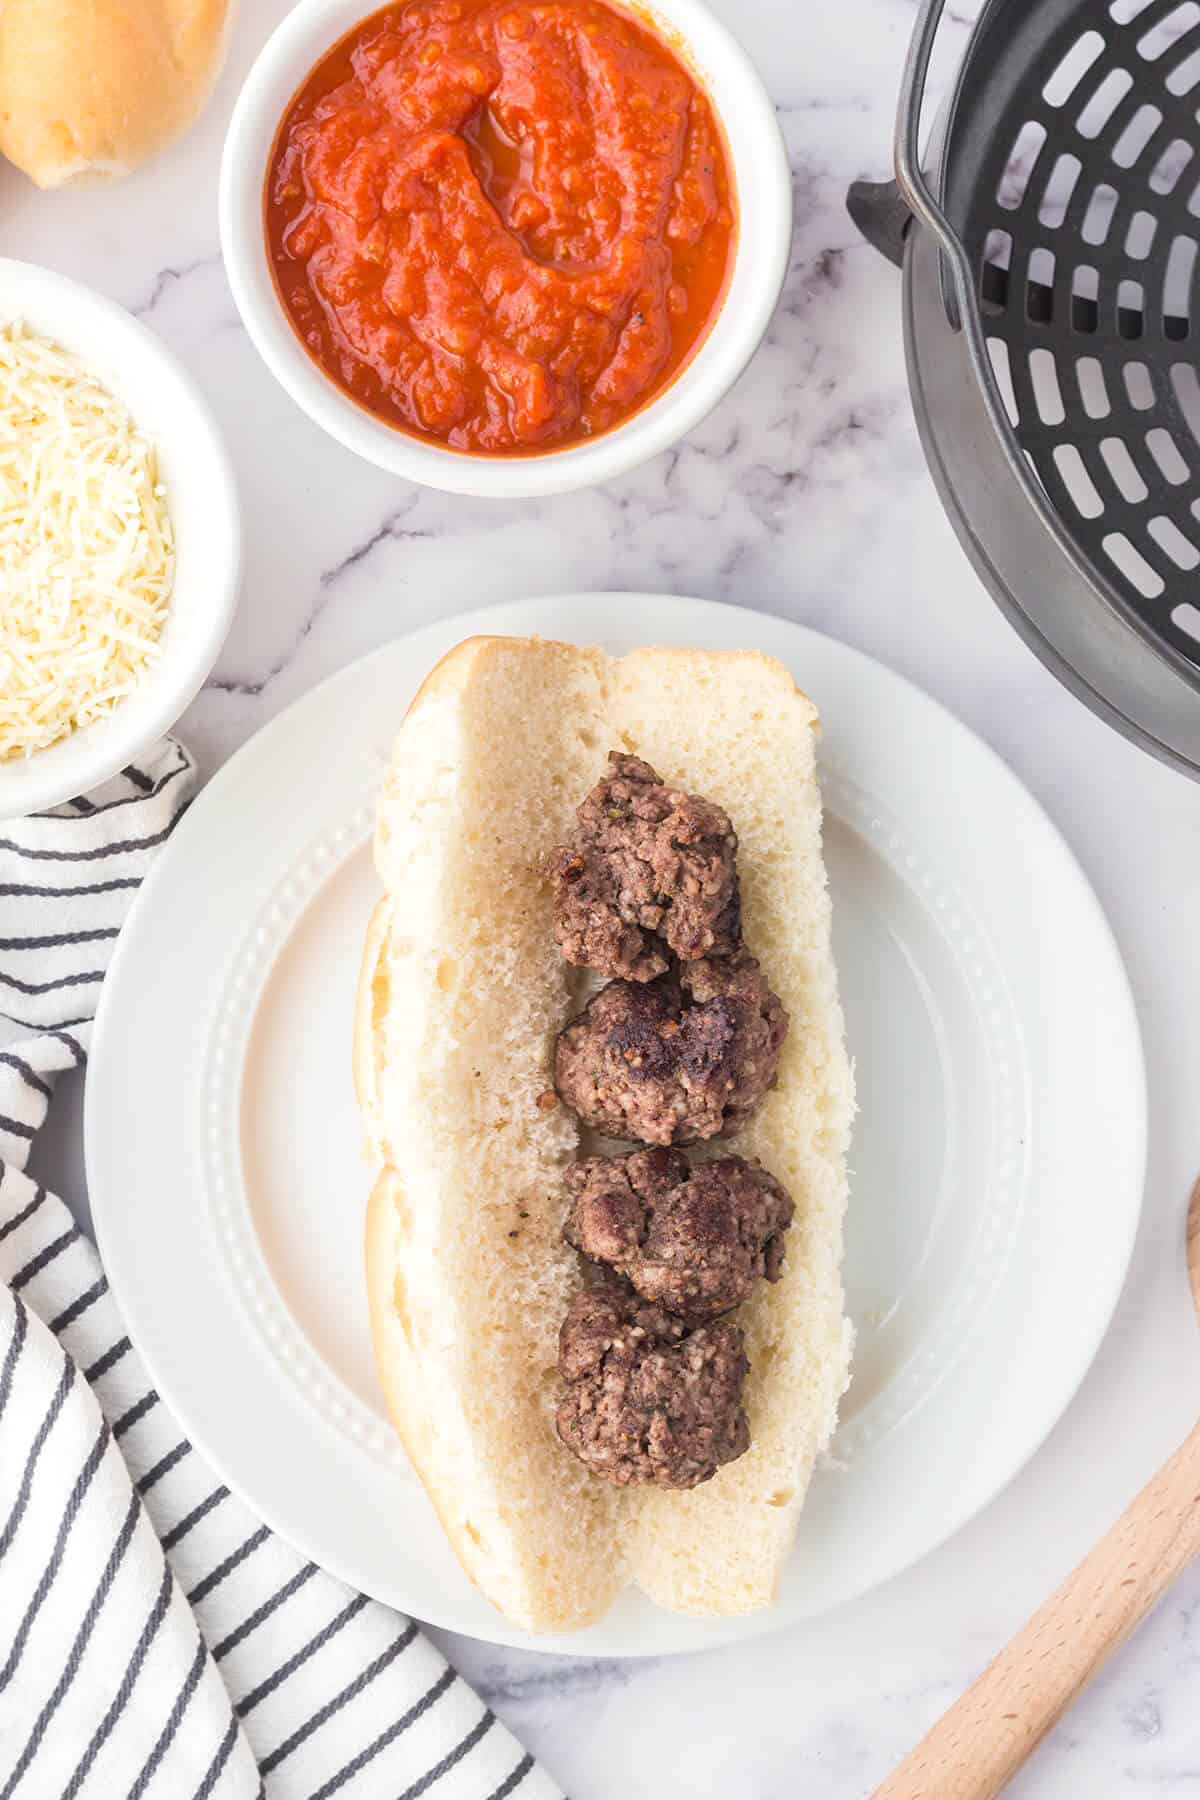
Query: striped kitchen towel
<point x="155" y="1638"/>
<point x="67" y="878"/>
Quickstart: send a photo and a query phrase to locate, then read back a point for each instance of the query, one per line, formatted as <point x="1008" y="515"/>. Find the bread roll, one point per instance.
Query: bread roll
<point x="89" y="89"/>
<point x="463" y="992"/>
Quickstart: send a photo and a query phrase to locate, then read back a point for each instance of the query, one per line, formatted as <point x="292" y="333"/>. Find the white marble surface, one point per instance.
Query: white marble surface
<point x="804" y="494"/>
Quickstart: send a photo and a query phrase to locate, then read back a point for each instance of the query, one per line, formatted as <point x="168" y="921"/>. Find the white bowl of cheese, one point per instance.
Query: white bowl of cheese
<point x="78" y="701"/>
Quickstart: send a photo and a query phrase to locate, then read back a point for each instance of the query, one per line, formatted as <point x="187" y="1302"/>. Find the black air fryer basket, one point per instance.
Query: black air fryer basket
<point x="1052" y="328"/>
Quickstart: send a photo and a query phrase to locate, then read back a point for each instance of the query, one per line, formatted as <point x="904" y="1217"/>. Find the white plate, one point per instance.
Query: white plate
<point x="997" y="1162"/>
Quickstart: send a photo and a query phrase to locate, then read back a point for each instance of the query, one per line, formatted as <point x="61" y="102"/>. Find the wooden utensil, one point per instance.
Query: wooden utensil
<point x="976" y="1749"/>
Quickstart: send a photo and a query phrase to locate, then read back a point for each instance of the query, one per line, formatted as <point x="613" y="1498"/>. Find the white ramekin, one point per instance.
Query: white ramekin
<point x="764" y="196"/>
<point x="202" y="497"/>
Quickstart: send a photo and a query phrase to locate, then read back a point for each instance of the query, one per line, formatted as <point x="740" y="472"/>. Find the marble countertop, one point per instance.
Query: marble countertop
<point x="805" y="494"/>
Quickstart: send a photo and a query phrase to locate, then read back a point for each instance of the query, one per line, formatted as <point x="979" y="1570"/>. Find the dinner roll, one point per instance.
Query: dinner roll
<point x="89" y="89"/>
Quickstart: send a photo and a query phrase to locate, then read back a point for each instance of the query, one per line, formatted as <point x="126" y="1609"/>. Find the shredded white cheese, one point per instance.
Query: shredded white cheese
<point x="86" y="550"/>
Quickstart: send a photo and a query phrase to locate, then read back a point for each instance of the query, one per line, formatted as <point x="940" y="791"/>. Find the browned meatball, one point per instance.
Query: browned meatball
<point x="685" y="1057"/>
<point x="648" y="870"/>
<point x="647" y="1401"/>
<point x="694" y="1240"/>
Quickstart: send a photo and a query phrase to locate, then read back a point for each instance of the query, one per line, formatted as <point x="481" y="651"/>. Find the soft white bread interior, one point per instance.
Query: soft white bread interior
<point x="89" y="89"/>
<point x="462" y="994"/>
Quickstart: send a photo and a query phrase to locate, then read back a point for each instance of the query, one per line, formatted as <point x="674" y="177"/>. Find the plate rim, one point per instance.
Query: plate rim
<point x="708" y="1633"/>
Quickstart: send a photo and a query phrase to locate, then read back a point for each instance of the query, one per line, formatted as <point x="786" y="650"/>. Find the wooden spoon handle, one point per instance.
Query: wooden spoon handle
<point x="977" y="1748"/>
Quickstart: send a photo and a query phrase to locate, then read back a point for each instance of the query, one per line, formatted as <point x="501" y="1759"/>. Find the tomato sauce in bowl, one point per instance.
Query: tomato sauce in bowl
<point x="503" y="226"/>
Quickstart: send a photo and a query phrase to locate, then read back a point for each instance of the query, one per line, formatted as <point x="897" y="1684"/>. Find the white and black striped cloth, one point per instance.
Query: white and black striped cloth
<point x="155" y="1638"/>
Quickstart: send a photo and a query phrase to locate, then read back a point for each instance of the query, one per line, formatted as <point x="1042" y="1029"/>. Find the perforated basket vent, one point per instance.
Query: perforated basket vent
<point x="1073" y="173"/>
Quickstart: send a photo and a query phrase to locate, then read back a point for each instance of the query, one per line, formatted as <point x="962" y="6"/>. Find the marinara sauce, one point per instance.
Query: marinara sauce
<point x="504" y="225"/>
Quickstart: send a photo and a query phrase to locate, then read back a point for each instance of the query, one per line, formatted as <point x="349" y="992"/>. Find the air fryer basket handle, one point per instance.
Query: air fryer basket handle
<point x="882" y="214"/>
<point x="910" y="178"/>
